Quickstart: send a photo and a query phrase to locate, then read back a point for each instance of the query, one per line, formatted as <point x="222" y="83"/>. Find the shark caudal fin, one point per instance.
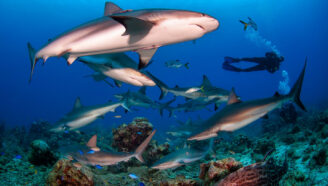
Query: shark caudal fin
<point x="296" y="90"/>
<point x="142" y="147"/>
<point x="33" y="59"/>
<point x="244" y="23"/>
<point x="164" y="88"/>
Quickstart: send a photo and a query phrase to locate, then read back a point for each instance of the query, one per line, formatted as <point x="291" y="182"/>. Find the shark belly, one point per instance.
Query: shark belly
<point x="75" y="124"/>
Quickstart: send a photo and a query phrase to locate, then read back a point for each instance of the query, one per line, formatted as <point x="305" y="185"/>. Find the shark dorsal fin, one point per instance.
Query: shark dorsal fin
<point x="206" y="81"/>
<point x="145" y="56"/>
<point x="111" y="8"/>
<point x="276" y="94"/>
<point x="142" y="90"/>
<point x="233" y="97"/>
<point x="77" y="103"/>
<point x="92" y="143"/>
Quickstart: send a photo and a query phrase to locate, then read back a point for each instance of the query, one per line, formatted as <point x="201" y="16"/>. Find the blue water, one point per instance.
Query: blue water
<point x="298" y="28"/>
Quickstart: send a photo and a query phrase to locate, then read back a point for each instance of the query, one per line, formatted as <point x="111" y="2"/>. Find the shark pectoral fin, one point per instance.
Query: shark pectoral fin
<point x="134" y="27"/>
<point x="233" y="98"/>
<point x="118" y="83"/>
<point x="98" y="77"/>
<point x="142" y="90"/>
<point x="77" y="104"/>
<point x="265" y="116"/>
<point x="71" y="59"/>
<point x="145" y="56"/>
<point x="111" y="8"/>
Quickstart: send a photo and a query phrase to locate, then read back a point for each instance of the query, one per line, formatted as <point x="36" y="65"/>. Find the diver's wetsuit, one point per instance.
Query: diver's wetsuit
<point x="270" y="62"/>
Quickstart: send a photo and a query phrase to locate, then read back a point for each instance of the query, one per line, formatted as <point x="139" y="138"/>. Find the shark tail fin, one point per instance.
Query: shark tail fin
<point x="142" y="147"/>
<point x="244" y="23"/>
<point x="186" y="65"/>
<point x="33" y="59"/>
<point x="164" y="88"/>
<point x="125" y="106"/>
<point x="296" y="90"/>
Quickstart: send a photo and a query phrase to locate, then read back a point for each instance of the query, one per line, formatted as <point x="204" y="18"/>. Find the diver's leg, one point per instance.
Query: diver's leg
<point x="227" y="66"/>
<point x="253" y="59"/>
<point x="228" y="59"/>
<point x="254" y="68"/>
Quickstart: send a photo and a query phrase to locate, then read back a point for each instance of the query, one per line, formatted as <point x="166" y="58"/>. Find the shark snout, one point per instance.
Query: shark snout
<point x="210" y="24"/>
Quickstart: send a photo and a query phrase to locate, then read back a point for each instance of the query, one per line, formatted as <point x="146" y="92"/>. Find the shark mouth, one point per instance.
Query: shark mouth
<point x="200" y="26"/>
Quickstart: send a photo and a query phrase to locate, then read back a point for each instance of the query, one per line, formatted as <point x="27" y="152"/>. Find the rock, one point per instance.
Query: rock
<point x="41" y="154"/>
<point x="64" y="173"/>
<point x="214" y="171"/>
<point x="320" y="157"/>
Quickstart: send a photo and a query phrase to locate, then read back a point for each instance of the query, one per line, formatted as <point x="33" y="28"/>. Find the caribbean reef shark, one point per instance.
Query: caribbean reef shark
<point x="238" y="114"/>
<point x="94" y="156"/>
<point x="118" y="66"/>
<point x="181" y="157"/>
<point x="143" y="31"/>
<point x="81" y="115"/>
<point x="205" y="93"/>
<point x="138" y="99"/>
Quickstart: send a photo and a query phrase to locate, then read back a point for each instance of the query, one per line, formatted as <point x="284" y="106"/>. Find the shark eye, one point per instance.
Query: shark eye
<point x="203" y="14"/>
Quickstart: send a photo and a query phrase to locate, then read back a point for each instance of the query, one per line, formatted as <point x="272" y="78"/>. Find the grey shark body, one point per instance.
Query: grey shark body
<point x="203" y="93"/>
<point x="104" y="158"/>
<point x="238" y="114"/>
<point x="138" y="99"/>
<point x="117" y="31"/>
<point x="181" y="157"/>
<point x="81" y="116"/>
<point x="118" y="66"/>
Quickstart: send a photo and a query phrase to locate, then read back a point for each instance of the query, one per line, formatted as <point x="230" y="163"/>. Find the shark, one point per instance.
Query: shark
<point x="118" y="66"/>
<point x="189" y="106"/>
<point x="182" y="157"/>
<point x="238" y="114"/>
<point x="93" y="155"/>
<point x="138" y="99"/>
<point x="118" y="30"/>
<point x="81" y="115"/>
<point x="205" y="92"/>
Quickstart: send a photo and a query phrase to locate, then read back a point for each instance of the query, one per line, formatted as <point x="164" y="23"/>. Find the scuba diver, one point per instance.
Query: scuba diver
<point x="271" y="63"/>
<point x="250" y="23"/>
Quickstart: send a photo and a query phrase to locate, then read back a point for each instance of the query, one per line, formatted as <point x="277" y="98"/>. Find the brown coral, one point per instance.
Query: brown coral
<point x="64" y="173"/>
<point x="127" y="138"/>
<point x="214" y="171"/>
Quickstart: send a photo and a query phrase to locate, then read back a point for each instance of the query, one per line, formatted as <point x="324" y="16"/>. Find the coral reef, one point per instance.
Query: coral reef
<point x="41" y="154"/>
<point x="127" y="138"/>
<point x="288" y="113"/>
<point x="263" y="173"/>
<point x="65" y="173"/>
<point x="216" y="170"/>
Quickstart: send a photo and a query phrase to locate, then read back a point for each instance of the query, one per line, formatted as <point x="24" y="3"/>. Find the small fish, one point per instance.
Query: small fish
<point x="66" y="131"/>
<point x="91" y="152"/>
<point x="98" y="167"/>
<point x="139" y="133"/>
<point x="35" y="172"/>
<point x="18" y="157"/>
<point x="141" y="184"/>
<point x="133" y="176"/>
<point x="118" y="116"/>
<point x="81" y="152"/>
<point x="95" y="149"/>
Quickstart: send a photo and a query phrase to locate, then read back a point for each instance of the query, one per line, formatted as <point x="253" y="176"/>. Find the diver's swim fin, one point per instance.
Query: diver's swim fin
<point x="245" y="24"/>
